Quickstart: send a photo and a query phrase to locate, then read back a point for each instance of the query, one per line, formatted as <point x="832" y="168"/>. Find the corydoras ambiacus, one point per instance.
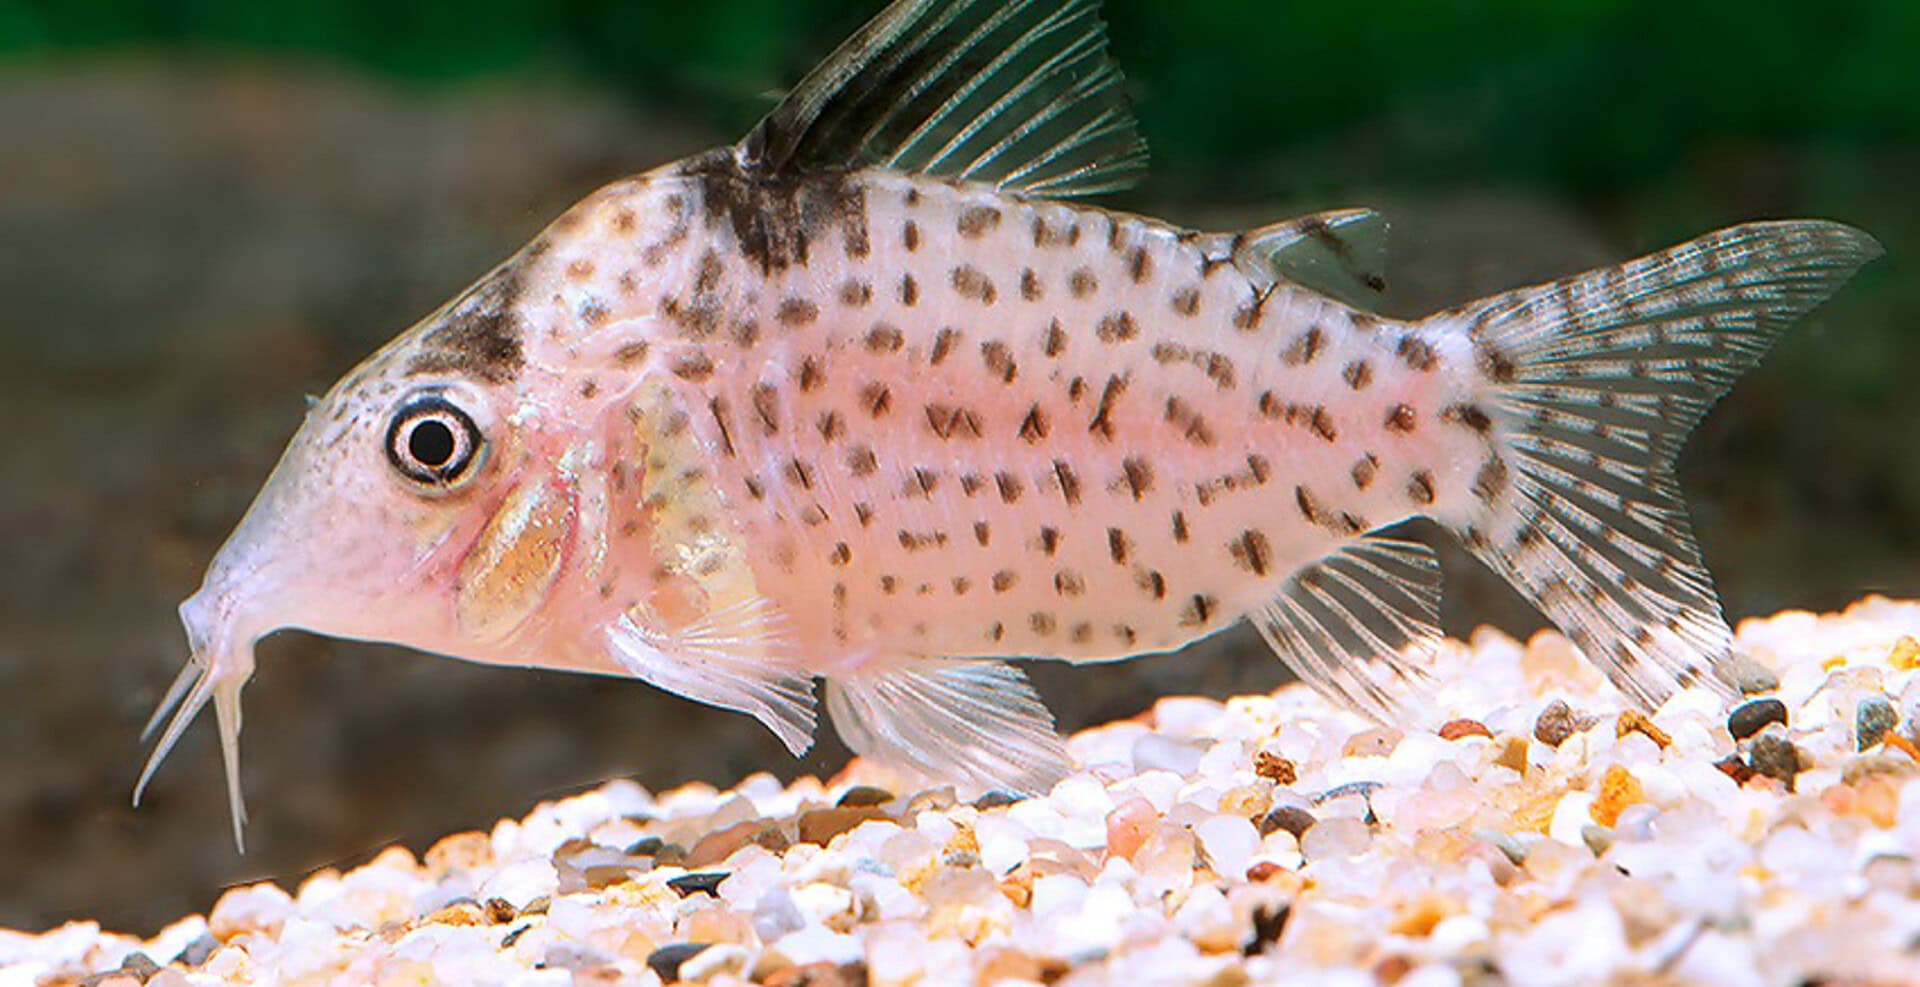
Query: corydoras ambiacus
<point x="867" y="398"/>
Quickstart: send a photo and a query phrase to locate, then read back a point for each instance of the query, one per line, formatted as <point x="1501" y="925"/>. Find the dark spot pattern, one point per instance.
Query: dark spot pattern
<point x="775" y="221"/>
<point x="1365" y="470"/>
<point x="1137" y="475"/>
<point x="480" y="334"/>
<point x="977" y="221"/>
<point x="971" y="283"/>
<point x="999" y="360"/>
<point x="1418" y="353"/>
<point x="1102" y="424"/>
<point x="1251" y="551"/>
<point x="943" y="345"/>
<point x="1420" y="487"/>
<point x="1033" y="428"/>
<point x="1305" y="348"/>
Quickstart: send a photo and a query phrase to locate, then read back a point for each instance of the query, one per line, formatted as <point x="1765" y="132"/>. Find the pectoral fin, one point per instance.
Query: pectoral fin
<point x="977" y="723"/>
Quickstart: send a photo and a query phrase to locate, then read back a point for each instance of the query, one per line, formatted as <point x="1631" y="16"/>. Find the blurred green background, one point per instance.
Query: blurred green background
<point x="209" y="208"/>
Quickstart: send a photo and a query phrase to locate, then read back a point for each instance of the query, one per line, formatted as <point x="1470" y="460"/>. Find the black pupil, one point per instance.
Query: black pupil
<point x="431" y="443"/>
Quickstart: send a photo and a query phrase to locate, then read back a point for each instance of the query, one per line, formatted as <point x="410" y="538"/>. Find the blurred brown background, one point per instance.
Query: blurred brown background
<point x="193" y="239"/>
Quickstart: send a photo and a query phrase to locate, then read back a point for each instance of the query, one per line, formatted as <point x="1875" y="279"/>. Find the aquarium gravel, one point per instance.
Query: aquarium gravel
<point x="1532" y="833"/>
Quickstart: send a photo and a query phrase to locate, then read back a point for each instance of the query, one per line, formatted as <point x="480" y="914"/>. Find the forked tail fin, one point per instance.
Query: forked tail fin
<point x="1589" y="386"/>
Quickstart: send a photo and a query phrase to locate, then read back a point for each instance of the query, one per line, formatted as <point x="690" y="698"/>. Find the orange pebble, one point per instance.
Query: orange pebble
<point x="1129" y="825"/>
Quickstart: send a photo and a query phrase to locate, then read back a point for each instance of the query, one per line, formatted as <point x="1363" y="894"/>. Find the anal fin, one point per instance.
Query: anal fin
<point x="976" y="723"/>
<point x="1359" y="624"/>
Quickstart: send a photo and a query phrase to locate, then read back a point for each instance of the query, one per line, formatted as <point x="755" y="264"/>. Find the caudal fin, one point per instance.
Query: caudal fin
<point x="1589" y="386"/>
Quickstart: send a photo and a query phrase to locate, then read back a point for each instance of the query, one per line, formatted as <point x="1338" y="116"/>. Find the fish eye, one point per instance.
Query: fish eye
<point x="433" y="443"/>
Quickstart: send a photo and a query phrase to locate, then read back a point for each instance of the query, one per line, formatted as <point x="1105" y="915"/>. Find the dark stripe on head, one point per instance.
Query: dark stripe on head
<point x="479" y="334"/>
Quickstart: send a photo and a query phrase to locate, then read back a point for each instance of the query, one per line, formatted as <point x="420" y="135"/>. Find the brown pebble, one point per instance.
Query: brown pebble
<point x="821" y="825"/>
<point x="1751" y="718"/>
<point x="1556" y="723"/>
<point x="1263" y="870"/>
<point x="715" y="847"/>
<point x="602" y="876"/>
<point x="1733" y="767"/>
<point x="1291" y="818"/>
<point x="1513" y="755"/>
<point x="860" y="796"/>
<point x="1275" y="768"/>
<point x="1455" y="729"/>
<point x="1776" y="757"/>
<point x="1634" y="721"/>
<point x="1392" y="969"/>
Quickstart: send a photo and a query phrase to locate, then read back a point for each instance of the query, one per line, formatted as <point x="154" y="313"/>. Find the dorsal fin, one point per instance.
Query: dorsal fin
<point x="1340" y="253"/>
<point x="1020" y="94"/>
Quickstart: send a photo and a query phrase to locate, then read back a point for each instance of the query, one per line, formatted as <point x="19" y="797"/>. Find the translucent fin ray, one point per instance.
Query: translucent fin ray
<point x="1593" y="383"/>
<point x="1020" y="94"/>
<point x="723" y="660"/>
<point x="1341" y="254"/>
<point x="978" y="723"/>
<point x="1359" y="624"/>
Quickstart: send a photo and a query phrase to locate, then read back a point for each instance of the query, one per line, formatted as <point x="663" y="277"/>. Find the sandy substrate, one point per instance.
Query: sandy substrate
<point x="1531" y="833"/>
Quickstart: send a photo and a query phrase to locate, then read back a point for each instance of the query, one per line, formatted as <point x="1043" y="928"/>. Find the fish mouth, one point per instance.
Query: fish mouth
<point x="221" y="662"/>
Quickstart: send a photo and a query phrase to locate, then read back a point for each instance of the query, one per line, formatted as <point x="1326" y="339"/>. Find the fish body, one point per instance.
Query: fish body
<point x="970" y="424"/>
<point x="867" y="398"/>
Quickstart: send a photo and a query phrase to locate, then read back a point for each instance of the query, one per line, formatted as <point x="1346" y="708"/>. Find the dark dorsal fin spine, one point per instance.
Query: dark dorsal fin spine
<point x="1021" y="94"/>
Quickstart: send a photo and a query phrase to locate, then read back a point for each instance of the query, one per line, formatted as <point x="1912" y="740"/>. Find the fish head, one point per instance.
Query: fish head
<point x="433" y="498"/>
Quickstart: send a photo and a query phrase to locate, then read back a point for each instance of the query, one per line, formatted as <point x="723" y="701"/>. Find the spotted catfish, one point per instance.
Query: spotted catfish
<point x="870" y="397"/>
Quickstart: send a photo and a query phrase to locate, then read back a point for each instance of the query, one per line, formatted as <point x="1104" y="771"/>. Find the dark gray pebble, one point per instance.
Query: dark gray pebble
<point x="995" y="799"/>
<point x="1268" y="924"/>
<point x="198" y="950"/>
<point x="704" y="882"/>
<point x="1873" y="719"/>
<point x="1775" y="757"/>
<point x="666" y="960"/>
<point x="1751" y="718"/>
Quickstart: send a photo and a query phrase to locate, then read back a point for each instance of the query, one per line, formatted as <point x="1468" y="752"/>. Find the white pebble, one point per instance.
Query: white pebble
<point x="818" y="944"/>
<point x="1229" y="843"/>
<point x="1156" y="752"/>
<point x="1331" y="839"/>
